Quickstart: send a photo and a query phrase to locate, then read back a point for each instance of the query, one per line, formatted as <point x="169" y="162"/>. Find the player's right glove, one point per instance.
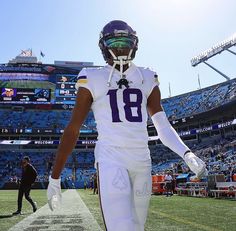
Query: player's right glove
<point x="196" y="165"/>
<point x="54" y="193"/>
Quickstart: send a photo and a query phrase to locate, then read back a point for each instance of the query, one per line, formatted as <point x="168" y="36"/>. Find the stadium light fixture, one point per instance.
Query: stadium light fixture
<point x="216" y="49"/>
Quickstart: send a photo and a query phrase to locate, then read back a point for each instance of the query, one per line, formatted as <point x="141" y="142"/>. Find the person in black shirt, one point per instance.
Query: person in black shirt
<point x="28" y="177"/>
<point x="95" y="184"/>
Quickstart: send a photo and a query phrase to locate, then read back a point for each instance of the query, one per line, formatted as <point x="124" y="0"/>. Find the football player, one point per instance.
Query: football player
<point x="120" y="95"/>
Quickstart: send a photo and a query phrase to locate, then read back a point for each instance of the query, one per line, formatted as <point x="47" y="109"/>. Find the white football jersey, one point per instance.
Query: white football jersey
<point x="120" y="114"/>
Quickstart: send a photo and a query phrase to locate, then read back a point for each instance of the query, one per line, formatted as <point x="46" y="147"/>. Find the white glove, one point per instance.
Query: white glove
<point x="54" y="193"/>
<point x="196" y="165"/>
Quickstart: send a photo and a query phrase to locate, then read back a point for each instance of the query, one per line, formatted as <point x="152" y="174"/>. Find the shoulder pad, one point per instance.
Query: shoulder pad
<point x="150" y="73"/>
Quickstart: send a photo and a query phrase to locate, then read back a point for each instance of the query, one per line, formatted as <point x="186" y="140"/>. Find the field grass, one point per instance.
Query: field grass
<point x="8" y="205"/>
<point x="173" y="213"/>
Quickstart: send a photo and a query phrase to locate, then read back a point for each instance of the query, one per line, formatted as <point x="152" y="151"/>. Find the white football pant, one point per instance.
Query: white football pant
<point x="124" y="196"/>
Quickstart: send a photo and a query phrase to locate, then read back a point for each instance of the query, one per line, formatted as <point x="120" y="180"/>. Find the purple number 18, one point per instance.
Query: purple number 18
<point x="128" y="104"/>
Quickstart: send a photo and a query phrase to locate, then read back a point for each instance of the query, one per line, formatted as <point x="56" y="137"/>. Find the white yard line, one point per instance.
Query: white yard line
<point x="72" y="216"/>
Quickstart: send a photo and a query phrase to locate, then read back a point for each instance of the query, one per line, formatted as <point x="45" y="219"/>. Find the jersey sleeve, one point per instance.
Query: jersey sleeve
<point x="83" y="80"/>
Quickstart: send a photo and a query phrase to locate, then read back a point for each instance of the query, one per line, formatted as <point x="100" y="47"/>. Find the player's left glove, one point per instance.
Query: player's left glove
<point x="54" y="193"/>
<point x="196" y="165"/>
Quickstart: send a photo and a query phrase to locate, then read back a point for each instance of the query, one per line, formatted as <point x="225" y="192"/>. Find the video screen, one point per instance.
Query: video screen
<point x="65" y="89"/>
<point x="8" y="92"/>
<point x="25" y="95"/>
<point x="66" y="78"/>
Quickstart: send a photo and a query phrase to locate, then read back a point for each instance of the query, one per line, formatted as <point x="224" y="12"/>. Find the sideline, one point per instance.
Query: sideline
<point x="72" y="216"/>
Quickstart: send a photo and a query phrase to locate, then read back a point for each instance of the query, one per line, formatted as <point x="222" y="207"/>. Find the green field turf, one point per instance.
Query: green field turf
<point x="172" y="213"/>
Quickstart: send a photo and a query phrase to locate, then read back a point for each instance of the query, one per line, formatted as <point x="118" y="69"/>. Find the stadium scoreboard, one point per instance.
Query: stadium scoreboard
<point x="25" y="95"/>
<point x="36" y="88"/>
<point x="65" y="88"/>
<point x="26" y="82"/>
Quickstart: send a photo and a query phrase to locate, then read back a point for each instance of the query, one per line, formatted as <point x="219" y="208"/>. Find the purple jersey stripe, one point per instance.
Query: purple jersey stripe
<point x="82" y="77"/>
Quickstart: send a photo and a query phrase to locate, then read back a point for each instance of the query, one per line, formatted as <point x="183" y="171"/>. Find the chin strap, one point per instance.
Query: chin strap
<point x="121" y="61"/>
<point x="110" y="75"/>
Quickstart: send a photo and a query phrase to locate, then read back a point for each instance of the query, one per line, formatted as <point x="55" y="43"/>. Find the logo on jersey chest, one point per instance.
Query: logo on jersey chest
<point x="123" y="82"/>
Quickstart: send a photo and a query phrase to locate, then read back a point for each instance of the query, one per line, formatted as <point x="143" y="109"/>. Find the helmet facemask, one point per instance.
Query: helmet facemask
<point x="118" y="43"/>
<point x="119" y="48"/>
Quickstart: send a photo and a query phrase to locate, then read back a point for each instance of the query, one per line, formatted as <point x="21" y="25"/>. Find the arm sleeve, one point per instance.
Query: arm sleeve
<point x="168" y="135"/>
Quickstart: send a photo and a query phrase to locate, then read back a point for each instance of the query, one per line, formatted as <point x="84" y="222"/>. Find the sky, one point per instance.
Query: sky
<point x="170" y="33"/>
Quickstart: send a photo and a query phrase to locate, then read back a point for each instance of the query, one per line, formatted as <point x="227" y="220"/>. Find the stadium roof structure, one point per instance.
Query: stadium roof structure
<point x="216" y="49"/>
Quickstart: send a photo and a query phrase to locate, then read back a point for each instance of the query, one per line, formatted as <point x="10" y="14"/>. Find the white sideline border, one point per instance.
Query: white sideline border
<point x="72" y="215"/>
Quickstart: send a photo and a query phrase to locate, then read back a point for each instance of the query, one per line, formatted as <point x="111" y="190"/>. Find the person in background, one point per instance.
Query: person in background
<point x="29" y="175"/>
<point x="168" y="186"/>
<point x="85" y="184"/>
<point x="95" y="184"/>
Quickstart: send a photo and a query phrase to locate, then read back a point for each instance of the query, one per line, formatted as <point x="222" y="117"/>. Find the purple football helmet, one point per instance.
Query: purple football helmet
<point x="119" y="35"/>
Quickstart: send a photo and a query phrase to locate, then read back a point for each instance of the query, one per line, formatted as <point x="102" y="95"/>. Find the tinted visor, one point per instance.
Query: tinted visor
<point x="120" y="42"/>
